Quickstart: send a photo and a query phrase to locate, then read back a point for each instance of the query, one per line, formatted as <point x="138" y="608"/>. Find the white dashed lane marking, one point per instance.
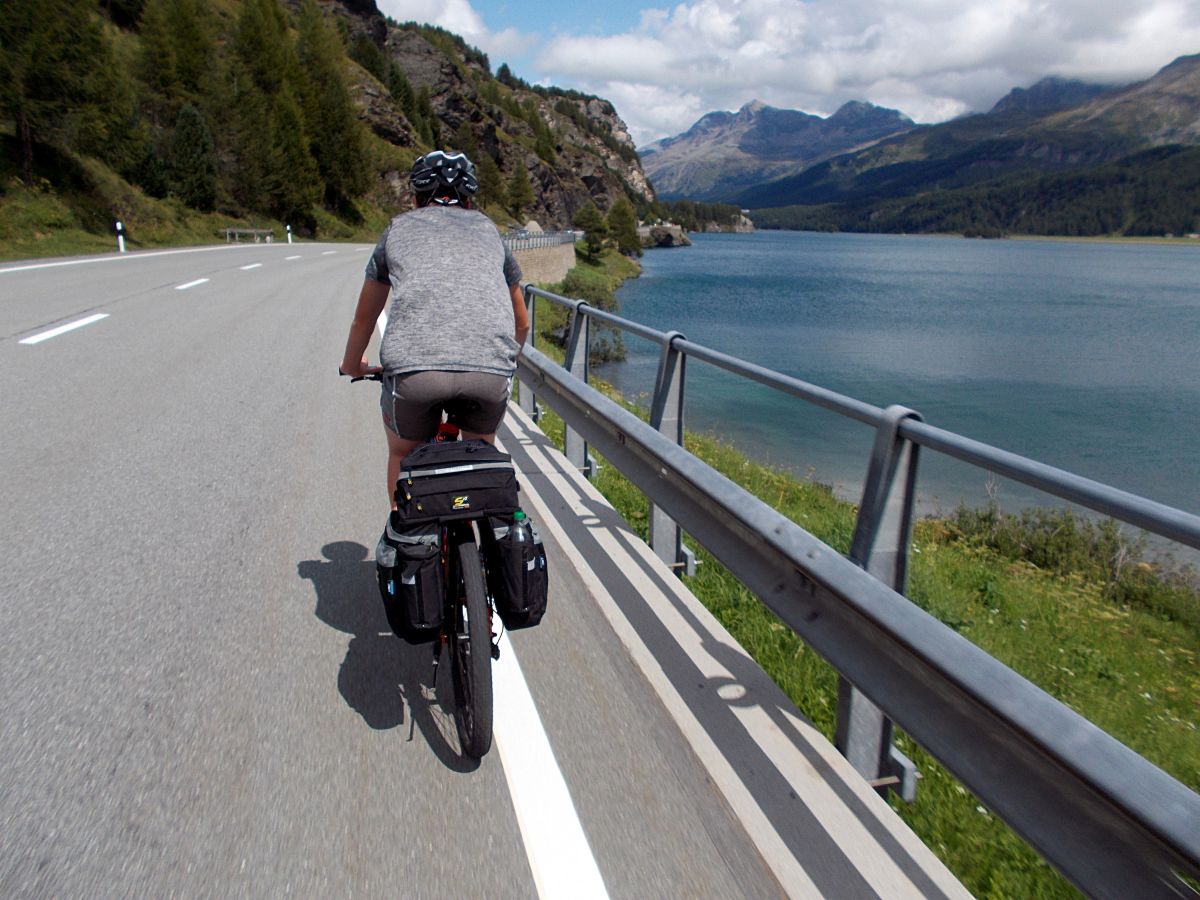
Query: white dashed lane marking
<point x="251" y="266"/>
<point x="63" y="329"/>
<point x="190" y="284"/>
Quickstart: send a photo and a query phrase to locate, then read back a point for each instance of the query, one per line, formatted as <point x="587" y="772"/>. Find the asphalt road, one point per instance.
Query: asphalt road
<point x="199" y="695"/>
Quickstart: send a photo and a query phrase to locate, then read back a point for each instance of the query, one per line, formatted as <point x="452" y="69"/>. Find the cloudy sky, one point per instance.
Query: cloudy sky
<point x="665" y="66"/>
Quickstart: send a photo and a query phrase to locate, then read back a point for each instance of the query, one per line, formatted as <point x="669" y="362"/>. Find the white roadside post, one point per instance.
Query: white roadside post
<point x="120" y="237"/>
<point x="289" y="231"/>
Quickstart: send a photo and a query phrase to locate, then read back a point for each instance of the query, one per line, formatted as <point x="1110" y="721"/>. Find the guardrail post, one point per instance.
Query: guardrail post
<point x="666" y="416"/>
<point x="525" y="396"/>
<point x="882" y="535"/>
<point x="575" y="448"/>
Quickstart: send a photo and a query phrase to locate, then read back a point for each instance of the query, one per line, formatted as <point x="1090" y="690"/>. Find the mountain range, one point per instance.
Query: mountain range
<point x="1051" y="130"/>
<point x="725" y="153"/>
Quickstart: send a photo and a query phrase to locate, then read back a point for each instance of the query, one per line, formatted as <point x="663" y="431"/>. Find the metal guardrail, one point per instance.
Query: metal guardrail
<point x="534" y="241"/>
<point x="1112" y="822"/>
<point x="258" y="235"/>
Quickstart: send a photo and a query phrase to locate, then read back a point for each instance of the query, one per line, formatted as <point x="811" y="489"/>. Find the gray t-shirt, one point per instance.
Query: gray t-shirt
<point x="450" y="306"/>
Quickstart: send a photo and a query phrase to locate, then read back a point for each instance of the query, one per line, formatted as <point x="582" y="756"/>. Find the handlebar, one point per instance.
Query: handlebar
<point x="378" y="376"/>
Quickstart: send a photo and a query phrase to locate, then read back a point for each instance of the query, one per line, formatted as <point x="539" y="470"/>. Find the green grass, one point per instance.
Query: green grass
<point x="1129" y="662"/>
<point x="74" y="201"/>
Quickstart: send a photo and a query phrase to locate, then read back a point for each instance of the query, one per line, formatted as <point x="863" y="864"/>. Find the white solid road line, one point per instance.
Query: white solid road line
<point x="127" y="256"/>
<point x="190" y="284"/>
<point x="251" y="266"/>
<point x="63" y="329"/>
<point x="559" y="855"/>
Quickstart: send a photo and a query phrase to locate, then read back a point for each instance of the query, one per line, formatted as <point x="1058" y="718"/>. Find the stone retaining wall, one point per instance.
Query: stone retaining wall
<point x="546" y="265"/>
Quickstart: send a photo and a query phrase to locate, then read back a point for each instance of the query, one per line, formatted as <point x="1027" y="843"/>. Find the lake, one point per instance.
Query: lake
<point x="1083" y="355"/>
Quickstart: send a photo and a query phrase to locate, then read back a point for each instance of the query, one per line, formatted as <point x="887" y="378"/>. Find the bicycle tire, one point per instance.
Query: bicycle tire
<point x="471" y="654"/>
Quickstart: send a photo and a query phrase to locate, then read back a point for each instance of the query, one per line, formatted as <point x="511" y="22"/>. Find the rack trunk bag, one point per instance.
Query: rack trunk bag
<point x="455" y="480"/>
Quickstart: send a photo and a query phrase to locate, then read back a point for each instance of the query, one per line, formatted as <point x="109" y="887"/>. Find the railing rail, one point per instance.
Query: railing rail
<point x="1112" y="822"/>
<point x="534" y="241"/>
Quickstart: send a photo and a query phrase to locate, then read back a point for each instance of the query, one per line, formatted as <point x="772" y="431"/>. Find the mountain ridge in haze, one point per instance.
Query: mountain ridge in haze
<point x="726" y="152"/>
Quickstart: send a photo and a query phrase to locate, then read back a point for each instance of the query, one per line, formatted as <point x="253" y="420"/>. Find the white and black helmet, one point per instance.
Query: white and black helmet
<point x="438" y="169"/>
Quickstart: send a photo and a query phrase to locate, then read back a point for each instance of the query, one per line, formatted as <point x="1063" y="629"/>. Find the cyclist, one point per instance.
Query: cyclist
<point x="457" y="318"/>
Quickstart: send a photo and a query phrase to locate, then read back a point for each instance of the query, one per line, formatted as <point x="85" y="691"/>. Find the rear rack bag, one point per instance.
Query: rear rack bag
<point x="455" y="480"/>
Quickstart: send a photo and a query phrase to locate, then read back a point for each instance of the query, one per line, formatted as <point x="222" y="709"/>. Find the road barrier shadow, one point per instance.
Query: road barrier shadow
<point x="382" y="676"/>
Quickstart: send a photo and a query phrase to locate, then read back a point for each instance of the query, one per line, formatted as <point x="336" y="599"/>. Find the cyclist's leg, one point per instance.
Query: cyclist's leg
<point x="411" y="406"/>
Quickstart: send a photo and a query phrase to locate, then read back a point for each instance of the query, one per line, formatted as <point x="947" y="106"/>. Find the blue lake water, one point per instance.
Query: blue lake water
<point x="1082" y="355"/>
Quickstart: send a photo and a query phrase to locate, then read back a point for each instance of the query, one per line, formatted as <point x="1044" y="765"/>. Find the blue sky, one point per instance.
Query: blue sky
<point x="664" y="66"/>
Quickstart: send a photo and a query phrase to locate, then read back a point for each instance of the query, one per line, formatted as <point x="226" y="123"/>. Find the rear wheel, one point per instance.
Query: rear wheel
<point x="472" y="654"/>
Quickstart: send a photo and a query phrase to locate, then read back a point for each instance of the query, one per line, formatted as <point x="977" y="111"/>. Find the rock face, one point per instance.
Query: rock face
<point x="585" y="153"/>
<point x="724" y="153"/>
<point x="1047" y="96"/>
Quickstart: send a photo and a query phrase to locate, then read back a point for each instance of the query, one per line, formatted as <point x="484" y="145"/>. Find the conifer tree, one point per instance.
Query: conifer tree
<point x="520" y="191"/>
<point x="402" y="93"/>
<point x="156" y="57"/>
<point x="193" y="160"/>
<point x="333" y="127"/>
<point x="48" y="52"/>
<point x="192" y="33"/>
<point x="261" y="42"/>
<point x="491" y="182"/>
<point x="589" y="219"/>
<point x="429" y="121"/>
<point x="465" y="140"/>
<point x="622" y="226"/>
<point x="365" y="52"/>
<point x="294" y="183"/>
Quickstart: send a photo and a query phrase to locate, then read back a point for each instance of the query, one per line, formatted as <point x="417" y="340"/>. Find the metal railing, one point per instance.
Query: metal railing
<point x="534" y="241"/>
<point x="1111" y="821"/>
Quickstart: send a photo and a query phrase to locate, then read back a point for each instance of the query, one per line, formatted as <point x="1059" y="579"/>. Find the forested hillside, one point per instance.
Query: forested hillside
<point x="182" y="114"/>
<point x="1153" y="193"/>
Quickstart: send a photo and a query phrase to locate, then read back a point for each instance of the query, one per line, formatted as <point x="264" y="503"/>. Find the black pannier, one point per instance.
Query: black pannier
<point x="455" y="480"/>
<point x="408" y="560"/>
<point x="516" y="570"/>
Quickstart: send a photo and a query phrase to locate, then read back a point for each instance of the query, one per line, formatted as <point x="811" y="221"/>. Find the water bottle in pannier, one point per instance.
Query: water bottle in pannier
<point x="516" y="564"/>
<point x="408" y="561"/>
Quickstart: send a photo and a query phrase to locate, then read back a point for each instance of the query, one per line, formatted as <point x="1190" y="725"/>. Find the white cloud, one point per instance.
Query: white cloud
<point x="460" y="17"/>
<point x="932" y="59"/>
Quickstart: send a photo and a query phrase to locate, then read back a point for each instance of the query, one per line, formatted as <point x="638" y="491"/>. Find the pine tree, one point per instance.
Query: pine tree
<point x="520" y="191"/>
<point x="192" y="32"/>
<point x="367" y="54"/>
<point x="156" y="56"/>
<point x="194" y="161"/>
<point x="294" y="182"/>
<point x="594" y="229"/>
<point x="465" y="140"/>
<point x="622" y="225"/>
<point x="429" y="122"/>
<point x="333" y="126"/>
<point x="491" y="182"/>
<point x="402" y="93"/>
<point x="48" y="52"/>
<point x="261" y="43"/>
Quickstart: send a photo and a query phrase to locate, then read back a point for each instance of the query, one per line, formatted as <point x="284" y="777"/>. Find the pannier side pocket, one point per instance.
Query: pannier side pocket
<point x="412" y="587"/>
<point x="516" y="571"/>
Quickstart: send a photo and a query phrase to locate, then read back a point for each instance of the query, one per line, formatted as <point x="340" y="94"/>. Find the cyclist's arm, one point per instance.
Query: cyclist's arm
<point x="520" y="314"/>
<point x="371" y="301"/>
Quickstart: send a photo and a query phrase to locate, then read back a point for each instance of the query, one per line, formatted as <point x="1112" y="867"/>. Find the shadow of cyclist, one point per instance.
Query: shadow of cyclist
<point x="381" y="674"/>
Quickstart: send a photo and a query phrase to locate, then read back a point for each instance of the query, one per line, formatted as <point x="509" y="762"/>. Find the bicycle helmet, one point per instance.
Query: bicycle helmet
<point x="438" y="171"/>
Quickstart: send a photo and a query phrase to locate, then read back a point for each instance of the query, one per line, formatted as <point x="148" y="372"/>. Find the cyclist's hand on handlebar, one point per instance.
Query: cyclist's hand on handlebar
<point x="359" y="370"/>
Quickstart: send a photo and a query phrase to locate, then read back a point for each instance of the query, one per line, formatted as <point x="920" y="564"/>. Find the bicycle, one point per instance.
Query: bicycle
<point x="466" y="623"/>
